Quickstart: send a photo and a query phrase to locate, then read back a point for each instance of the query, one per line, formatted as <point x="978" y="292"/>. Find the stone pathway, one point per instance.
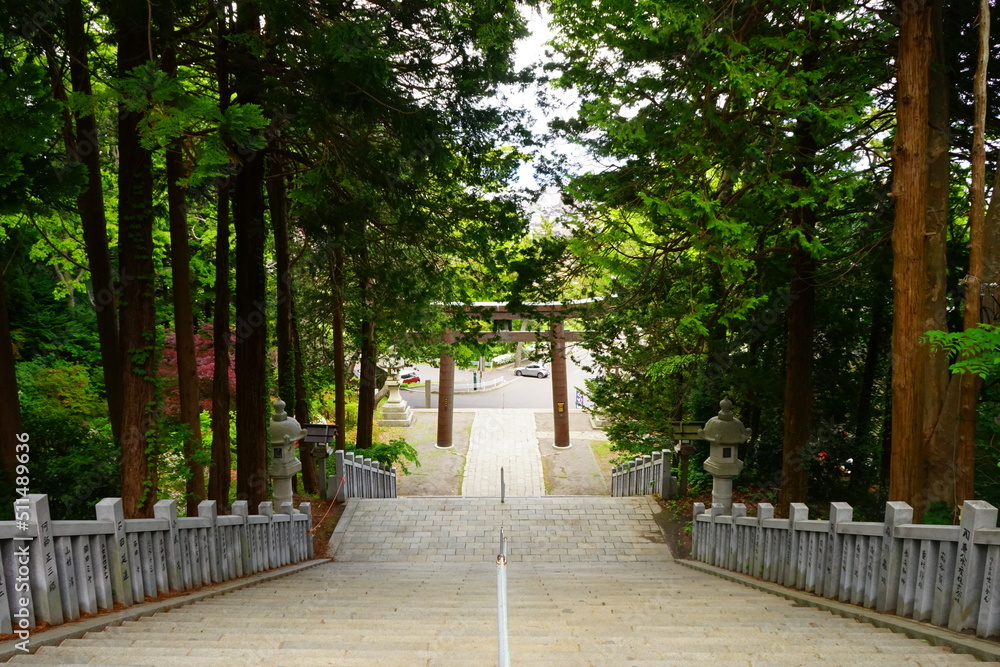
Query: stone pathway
<point x="507" y="439"/>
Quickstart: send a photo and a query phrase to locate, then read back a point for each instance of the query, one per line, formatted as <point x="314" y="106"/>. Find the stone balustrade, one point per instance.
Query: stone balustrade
<point x="360" y="477"/>
<point x="945" y="575"/>
<point x="54" y="571"/>
<point x="645" y="475"/>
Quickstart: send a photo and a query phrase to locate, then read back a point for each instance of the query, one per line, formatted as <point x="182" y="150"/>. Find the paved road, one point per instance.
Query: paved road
<point x="524" y="392"/>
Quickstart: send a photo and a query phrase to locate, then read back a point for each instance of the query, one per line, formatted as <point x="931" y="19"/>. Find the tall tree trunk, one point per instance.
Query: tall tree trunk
<point x="278" y="206"/>
<point x="340" y="361"/>
<point x="906" y="477"/>
<point x="10" y="405"/>
<point x="310" y="471"/>
<point x="180" y="273"/>
<point x="367" y="384"/>
<point x="90" y="202"/>
<point x="137" y="312"/>
<point x="187" y="365"/>
<point x="219" y="474"/>
<point x="798" y="398"/>
<point x="798" y="372"/>
<point x="251" y="284"/>
<point x="970" y="382"/>
<point x="940" y="424"/>
<point x="878" y="337"/>
<point x="288" y="380"/>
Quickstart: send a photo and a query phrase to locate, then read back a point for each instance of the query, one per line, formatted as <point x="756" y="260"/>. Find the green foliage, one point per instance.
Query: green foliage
<point x="174" y="470"/>
<point x="395" y="452"/>
<point x="173" y="110"/>
<point x="30" y="181"/>
<point x="73" y="456"/>
<point x="938" y="513"/>
<point x="716" y="128"/>
<point x="975" y="350"/>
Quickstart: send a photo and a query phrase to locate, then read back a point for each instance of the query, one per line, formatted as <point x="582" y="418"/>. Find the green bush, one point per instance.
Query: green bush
<point x="73" y="457"/>
<point x="394" y="452"/>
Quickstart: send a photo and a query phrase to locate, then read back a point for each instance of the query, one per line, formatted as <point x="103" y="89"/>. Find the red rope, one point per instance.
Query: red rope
<point x="334" y="499"/>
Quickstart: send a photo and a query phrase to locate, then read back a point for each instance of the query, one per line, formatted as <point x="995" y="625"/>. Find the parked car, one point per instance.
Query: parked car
<point x="536" y="370"/>
<point x="409" y="377"/>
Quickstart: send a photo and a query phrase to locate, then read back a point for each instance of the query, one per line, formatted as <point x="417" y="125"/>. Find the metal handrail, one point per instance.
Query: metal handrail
<point x="503" y="648"/>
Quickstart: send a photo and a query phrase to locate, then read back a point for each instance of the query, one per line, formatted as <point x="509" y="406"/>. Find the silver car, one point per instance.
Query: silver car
<point x="536" y="370"/>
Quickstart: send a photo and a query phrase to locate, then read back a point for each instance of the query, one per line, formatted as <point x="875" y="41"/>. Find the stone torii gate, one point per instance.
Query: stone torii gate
<point x="557" y="337"/>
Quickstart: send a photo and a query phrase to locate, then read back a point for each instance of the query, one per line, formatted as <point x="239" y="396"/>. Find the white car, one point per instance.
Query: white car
<point x="536" y="370"/>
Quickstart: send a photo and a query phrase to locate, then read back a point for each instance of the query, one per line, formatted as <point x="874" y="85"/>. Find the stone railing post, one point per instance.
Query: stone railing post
<point x="666" y="479"/>
<point x="369" y="478"/>
<point x="207" y="509"/>
<point x="306" y="508"/>
<point x="656" y="473"/>
<point x="245" y="561"/>
<point x="69" y="588"/>
<point x="647" y="474"/>
<point x="715" y="537"/>
<point x="340" y="479"/>
<point x="167" y="510"/>
<point x="839" y="513"/>
<point x="43" y="578"/>
<point x="764" y="511"/>
<point x="896" y="514"/>
<point x="270" y="550"/>
<point x="111" y="510"/>
<point x="794" y="557"/>
<point x="968" y="579"/>
<point x="697" y="535"/>
<point x="286" y="548"/>
<point x="736" y="540"/>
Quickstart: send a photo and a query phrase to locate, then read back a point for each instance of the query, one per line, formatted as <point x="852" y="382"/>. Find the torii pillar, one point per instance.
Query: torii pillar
<point x="560" y="389"/>
<point x="446" y="396"/>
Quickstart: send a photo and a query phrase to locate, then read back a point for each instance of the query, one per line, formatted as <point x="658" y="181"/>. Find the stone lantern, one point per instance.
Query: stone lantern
<point x="395" y="411"/>
<point x="285" y="431"/>
<point x="725" y="434"/>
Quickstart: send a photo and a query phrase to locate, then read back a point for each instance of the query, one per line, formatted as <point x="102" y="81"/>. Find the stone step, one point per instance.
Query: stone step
<point x="360" y="612"/>
<point x="593" y="656"/>
<point x="486" y="643"/>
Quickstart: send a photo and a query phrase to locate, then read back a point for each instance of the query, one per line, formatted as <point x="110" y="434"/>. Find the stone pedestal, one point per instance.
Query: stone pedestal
<point x="395" y="411"/>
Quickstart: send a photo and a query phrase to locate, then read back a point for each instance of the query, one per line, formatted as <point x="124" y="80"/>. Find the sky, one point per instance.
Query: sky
<point x="531" y="52"/>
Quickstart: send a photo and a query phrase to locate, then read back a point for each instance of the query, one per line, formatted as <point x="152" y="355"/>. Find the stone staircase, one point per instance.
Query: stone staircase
<point x="591" y="582"/>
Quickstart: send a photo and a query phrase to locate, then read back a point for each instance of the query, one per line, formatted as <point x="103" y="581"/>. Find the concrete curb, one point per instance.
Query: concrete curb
<point x="341" y="527"/>
<point x="76" y="629"/>
<point x="937" y="636"/>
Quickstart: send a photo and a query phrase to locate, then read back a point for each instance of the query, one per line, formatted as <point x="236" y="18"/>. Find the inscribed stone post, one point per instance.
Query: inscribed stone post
<point x="968" y="578"/>
<point x="840" y="513"/>
<point x="890" y="560"/>
<point x="43" y="577"/>
<point x="988" y="623"/>
<point x="794" y="565"/>
<point x="207" y="509"/>
<point x="65" y="567"/>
